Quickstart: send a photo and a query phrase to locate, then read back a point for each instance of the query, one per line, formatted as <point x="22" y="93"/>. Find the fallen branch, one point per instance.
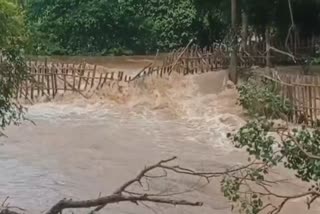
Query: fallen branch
<point x="122" y="194"/>
<point x="115" y="198"/>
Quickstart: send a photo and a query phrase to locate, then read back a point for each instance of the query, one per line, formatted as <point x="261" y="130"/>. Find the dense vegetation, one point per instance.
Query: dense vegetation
<point x="142" y="26"/>
<point x="252" y="190"/>
<point x="12" y="69"/>
<point x="271" y="144"/>
<point x="263" y="98"/>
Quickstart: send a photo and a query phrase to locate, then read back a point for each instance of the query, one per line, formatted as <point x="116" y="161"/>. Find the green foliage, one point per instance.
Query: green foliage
<point x="12" y="69"/>
<point x="12" y="72"/>
<point x="251" y="204"/>
<point x="117" y="27"/>
<point x="11" y="24"/>
<point x="295" y="149"/>
<point x="213" y="20"/>
<point x="142" y="26"/>
<point x="66" y="27"/>
<point x="255" y="137"/>
<point x="308" y="169"/>
<point x="292" y="148"/>
<point x="105" y="26"/>
<point x="263" y="99"/>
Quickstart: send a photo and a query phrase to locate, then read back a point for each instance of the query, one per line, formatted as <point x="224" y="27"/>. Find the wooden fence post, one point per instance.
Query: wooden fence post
<point x="52" y="80"/>
<point x="100" y="79"/>
<point x="74" y="78"/>
<point x="104" y="80"/>
<point x="80" y="73"/>
<point x="87" y="80"/>
<point x="93" y="75"/>
<point x="47" y="73"/>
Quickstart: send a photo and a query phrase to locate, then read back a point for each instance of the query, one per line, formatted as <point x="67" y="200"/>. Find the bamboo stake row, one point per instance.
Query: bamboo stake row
<point x="303" y="93"/>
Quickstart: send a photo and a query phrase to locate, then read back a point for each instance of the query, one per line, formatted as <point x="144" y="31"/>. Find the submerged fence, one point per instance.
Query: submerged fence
<point x="48" y="79"/>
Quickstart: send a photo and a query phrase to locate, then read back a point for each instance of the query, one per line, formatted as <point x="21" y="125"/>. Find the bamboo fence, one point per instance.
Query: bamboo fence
<point x="303" y="93"/>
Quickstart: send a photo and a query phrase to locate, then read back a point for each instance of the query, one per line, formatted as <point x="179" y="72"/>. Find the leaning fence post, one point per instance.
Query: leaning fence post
<point x="93" y="75"/>
<point x="52" y="80"/>
<point x="47" y="73"/>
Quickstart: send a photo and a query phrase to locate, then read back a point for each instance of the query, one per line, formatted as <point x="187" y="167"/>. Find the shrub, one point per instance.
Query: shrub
<point x="264" y="99"/>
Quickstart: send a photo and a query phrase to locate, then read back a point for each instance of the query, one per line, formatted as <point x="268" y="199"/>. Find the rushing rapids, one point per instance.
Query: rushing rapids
<point x="81" y="148"/>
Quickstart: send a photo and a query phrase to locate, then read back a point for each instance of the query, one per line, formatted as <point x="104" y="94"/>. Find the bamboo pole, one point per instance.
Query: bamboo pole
<point x="56" y="80"/>
<point x="42" y="81"/>
<point x="104" y="80"/>
<point x="93" y="75"/>
<point x="100" y="79"/>
<point x="80" y="77"/>
<point x="87" y="80"/>
<point x="64" y="77"/>
<point x="52" y="81"/>
<point x="47" y="76"/>
<point x="315" y="94"/>
<point x="73" y="78"/>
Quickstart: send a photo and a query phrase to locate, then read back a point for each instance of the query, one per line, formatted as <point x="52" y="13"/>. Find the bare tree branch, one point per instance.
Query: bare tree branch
<point x="283" y="53"/>
<point x="141" y="174"/>
<point x="292" y="27"/>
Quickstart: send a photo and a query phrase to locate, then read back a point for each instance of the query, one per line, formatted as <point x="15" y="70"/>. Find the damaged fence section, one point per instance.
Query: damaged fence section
<point x="48" y="79"/>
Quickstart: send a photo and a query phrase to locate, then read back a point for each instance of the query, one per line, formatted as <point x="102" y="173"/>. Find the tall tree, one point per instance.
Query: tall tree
<point x="233" y="63"/>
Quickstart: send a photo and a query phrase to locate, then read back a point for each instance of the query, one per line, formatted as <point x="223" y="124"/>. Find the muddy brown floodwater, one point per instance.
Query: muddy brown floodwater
<point x="82" y="148"/>
<point x="109" y="62"/>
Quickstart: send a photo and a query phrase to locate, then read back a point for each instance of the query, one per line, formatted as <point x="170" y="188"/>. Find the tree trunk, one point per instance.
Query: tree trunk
<point x="268" y="62"/>
<point x="233" y="74"/>
<point x="244" y="30"/>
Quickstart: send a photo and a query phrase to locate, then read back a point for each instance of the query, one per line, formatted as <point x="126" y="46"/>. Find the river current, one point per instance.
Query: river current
<point x="81" y="149"/>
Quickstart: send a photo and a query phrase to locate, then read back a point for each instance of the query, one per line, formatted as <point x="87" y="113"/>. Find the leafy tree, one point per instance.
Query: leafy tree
<point x="276" y="13"/>
<point x="67" y="27"/>
<point x="213" y="20"/>
<point x="104" y="26"/>
<point x="12" y="68"/>
<point x="74" y="27"/>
